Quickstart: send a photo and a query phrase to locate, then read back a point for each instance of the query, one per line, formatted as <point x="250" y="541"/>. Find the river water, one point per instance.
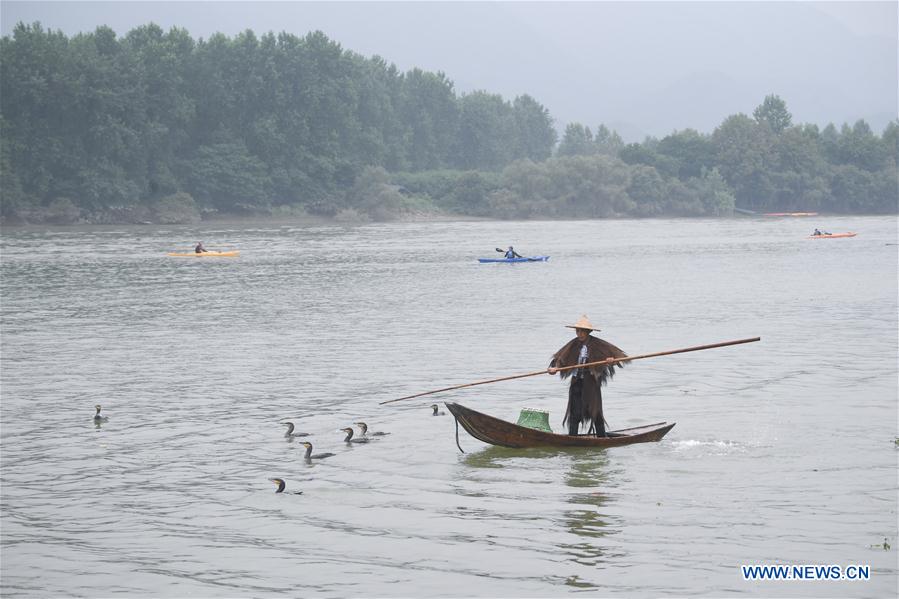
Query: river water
<point x="783" y="451"/>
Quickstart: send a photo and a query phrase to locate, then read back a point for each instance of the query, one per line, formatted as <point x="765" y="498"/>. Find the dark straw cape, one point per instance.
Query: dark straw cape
<point x="585" y="395"/>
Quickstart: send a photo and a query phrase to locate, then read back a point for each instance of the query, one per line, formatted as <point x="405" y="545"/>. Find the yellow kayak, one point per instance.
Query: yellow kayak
<point x="230" y="254"/>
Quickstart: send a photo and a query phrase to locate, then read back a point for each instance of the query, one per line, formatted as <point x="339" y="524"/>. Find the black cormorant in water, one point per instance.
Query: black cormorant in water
<point x="319" y="456"/>
<point x="363" y="430"/>
<point x="97" y="417"/>
<point x="290" y="434"/>
<point x="436" y="413"/>
<point x="281" y="484"/>
<point x="349" y="436"/>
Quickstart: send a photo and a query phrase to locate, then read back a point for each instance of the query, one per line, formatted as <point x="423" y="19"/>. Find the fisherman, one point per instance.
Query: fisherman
<point x="511" y="253"/>
<point x="200" y="249"/>
<point x="585" y="391"/>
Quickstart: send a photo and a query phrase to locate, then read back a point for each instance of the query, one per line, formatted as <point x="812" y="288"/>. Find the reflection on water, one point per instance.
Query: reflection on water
<point x="500" y="457"/>
<point x="589" y="468"/>
<point x="589" y="521"/>
<point x="587" y="475"/>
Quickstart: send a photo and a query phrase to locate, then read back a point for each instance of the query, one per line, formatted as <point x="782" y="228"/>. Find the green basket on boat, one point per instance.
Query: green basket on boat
<point x="535" y="419"/>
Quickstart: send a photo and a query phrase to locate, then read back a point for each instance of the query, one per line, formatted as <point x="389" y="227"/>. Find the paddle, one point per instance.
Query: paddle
<point x="588" y="365"/>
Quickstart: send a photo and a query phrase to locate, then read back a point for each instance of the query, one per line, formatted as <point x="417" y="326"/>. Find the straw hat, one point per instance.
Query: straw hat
<point x="583" y="323"/>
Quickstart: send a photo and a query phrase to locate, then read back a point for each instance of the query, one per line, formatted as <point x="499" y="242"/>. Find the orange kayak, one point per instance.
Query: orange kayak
<point x="832" y="235"/>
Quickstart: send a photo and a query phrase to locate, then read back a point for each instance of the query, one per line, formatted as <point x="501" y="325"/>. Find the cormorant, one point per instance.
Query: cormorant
<point x="363" y="430"/>
<point x="436" y="413"/>
<point x="98" y="418"/>
<point x="308" y="455"/>
<point x="290" y="434"/>
<point x="349" y="436"/>
<point x="281" y="484"/>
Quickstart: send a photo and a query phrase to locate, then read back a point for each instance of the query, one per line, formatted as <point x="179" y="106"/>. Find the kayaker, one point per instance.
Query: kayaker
<point x="511" y="253"/>
<point x="585" y="390"/>
<point x="817" y="232"/>
<point x="200" y="249"/>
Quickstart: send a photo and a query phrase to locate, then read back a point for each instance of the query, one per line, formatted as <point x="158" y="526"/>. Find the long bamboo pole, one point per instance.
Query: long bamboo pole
<point x="588" y="365"/>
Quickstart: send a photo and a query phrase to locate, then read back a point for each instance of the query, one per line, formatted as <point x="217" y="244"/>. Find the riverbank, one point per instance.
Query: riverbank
<point x="262" y="220"/>
<point x="350" y="217"/>
<point x="353" y="217"/>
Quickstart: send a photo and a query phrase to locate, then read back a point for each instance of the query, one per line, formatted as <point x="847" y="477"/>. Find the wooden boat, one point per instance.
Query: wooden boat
<point x="505" y="434"/>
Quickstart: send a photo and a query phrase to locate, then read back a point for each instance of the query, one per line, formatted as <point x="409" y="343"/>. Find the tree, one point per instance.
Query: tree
<point x="689" y="151"/>
<point x="430" y="116"/>
<point x="890" y="140"/>
<point x="773" y="112"/>
<point x="714" y="195"/>
<point x="647" y="153"/>
<point x="577" y="141"/>
<point x="472" y="191"/>
<point x="858" y="146"/>
<point x="744" y="159"/>
<point x="225" y="176"/>
<point x="590" y="186"/>
<point x="485" y="136"/>
<point x="607" y="141"/>
<point x="375" y="195"/>
<point x="647" y="189"/>
<point x="178" y="208"/>
<point x="534" y="133"/>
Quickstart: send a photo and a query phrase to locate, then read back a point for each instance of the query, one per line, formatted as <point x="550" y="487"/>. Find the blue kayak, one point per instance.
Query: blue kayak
<point x="529" y="259"/>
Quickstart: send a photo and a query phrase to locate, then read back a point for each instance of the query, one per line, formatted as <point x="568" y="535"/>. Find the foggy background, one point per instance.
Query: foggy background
<point x="641" y="68"/>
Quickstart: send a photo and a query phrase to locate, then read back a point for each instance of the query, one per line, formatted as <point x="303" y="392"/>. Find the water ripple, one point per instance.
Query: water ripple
<point x="783" y="450"/>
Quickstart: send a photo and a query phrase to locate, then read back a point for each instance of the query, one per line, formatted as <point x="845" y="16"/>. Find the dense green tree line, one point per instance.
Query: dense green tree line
<point x="158" y="126"/>
<point x="770" y="164"/>
<point x="758" y="164"/>
<point x="243" y="123"/>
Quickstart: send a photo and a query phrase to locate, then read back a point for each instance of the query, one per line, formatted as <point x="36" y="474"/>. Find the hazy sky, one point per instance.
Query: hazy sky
<point x="639" y="67"/>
